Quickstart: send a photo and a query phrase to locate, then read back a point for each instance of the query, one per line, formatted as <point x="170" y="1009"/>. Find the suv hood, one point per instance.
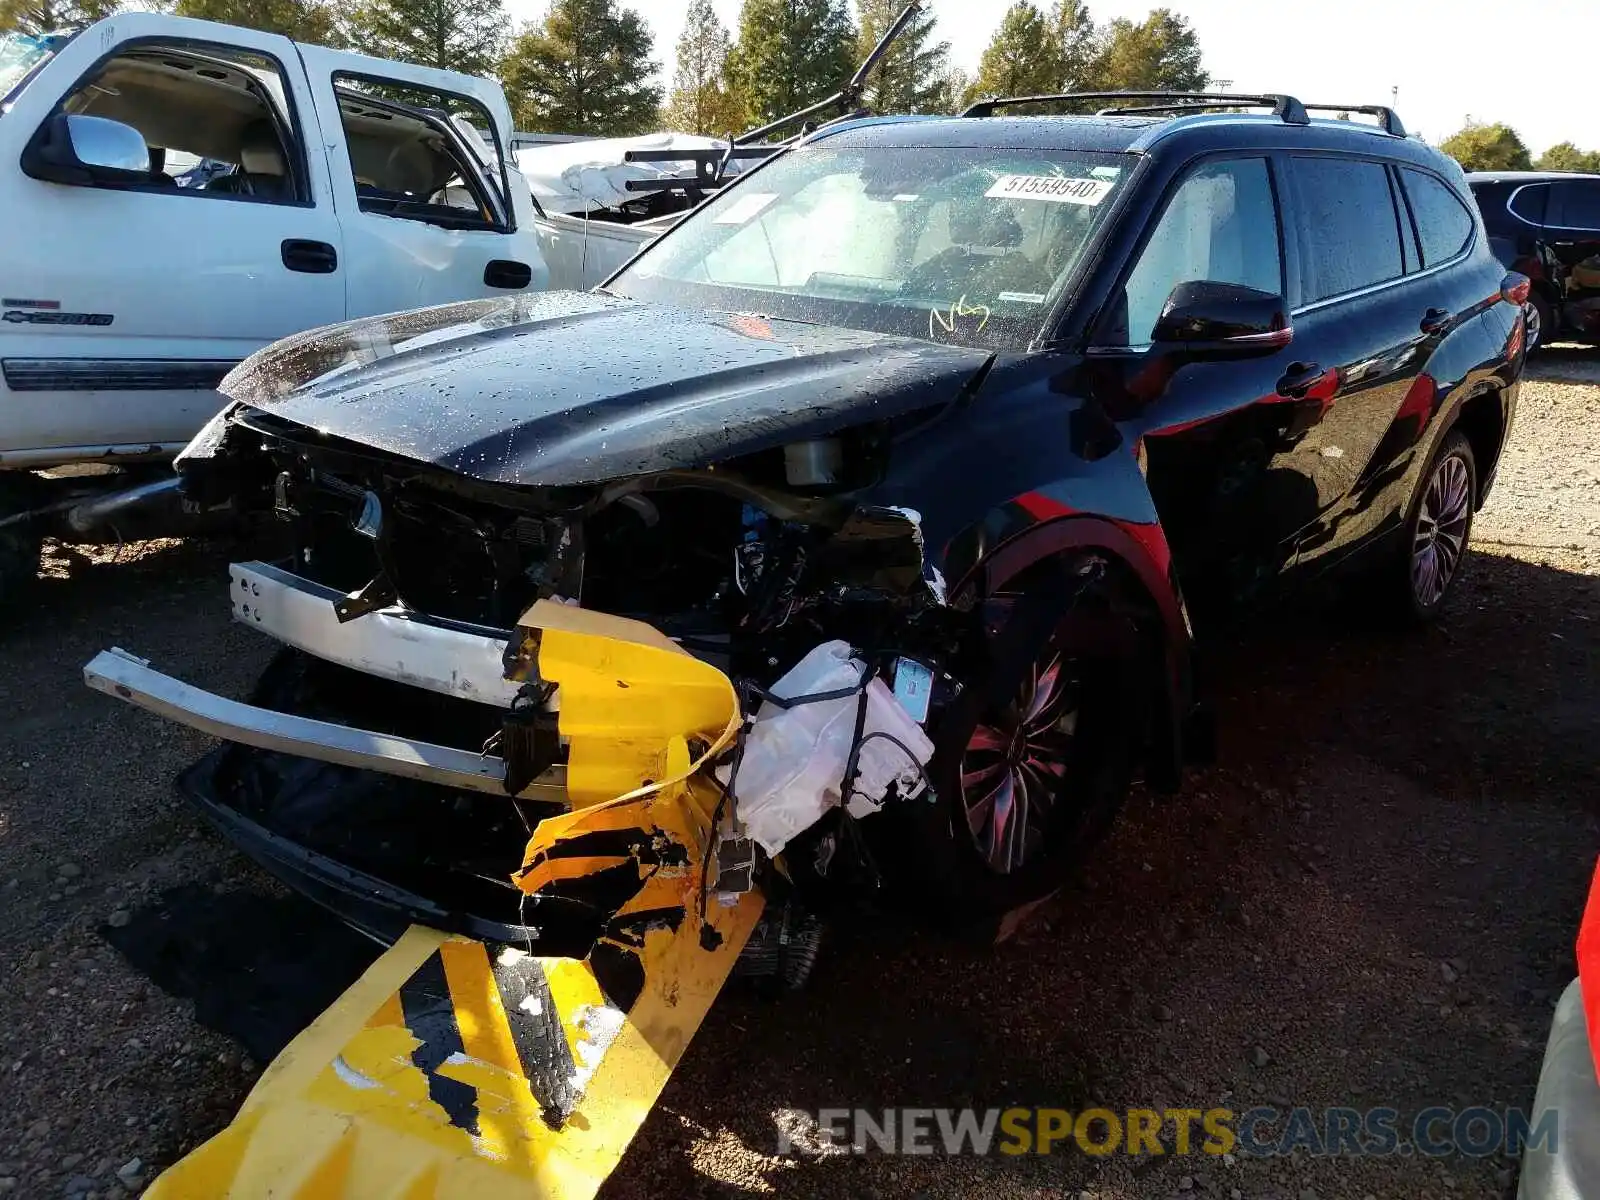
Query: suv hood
<point x="568" y="388"/>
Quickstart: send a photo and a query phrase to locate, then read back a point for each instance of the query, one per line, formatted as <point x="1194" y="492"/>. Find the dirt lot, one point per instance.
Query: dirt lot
<point x="1371" y="901"/>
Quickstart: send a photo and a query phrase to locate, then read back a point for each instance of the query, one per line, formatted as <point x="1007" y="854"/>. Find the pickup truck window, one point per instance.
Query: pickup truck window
<point x="407" y="158"/>
<point x="190" y="103"/>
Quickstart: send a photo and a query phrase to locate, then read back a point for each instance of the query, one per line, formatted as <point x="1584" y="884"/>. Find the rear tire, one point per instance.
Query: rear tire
<point x="1541" y="318"/>
<point x="1046" y="732"/>
<point x="1436" y="535"/>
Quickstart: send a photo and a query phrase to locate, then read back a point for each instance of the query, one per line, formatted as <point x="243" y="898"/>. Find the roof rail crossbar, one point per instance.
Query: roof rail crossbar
<point x="1285" y="108"/>
<point x="1387" y="118"/>
<point x="1179" y="107"/>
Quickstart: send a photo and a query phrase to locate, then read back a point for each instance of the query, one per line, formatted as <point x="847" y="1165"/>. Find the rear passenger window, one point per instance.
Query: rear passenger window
<point x="1221" y="225"/>
<point x="408" y="158"/>
<point x="1443" y="223"/>
<point x="1349" y="236"/>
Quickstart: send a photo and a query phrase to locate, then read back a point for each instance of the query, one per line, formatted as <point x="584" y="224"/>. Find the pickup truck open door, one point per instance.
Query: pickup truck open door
<point x="398" y="242"/>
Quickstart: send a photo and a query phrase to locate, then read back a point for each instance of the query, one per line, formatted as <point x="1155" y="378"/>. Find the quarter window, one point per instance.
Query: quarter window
<point x="1221" y="225"/>
<point x="1350" y="238"/>
<point x="1574" y="204"/>
<point x="1443" y="223"/>
<point x="1530" y="202"/>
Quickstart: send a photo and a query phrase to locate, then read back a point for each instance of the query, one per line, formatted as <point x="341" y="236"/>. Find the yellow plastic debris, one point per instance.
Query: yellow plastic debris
<point x="452" y="1070"/>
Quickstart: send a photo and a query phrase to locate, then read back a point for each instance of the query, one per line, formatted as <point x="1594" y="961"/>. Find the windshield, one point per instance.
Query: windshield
<point x="951" y="244"/>
<point x="20" y="55"/>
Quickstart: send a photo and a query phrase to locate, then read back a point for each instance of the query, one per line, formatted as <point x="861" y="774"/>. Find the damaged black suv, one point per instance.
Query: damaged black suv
<point x="997" y="400"/>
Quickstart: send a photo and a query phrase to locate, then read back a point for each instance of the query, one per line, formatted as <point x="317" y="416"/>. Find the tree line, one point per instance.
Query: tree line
<point x="588" y="66"/>
<point x="1498" y="147"/>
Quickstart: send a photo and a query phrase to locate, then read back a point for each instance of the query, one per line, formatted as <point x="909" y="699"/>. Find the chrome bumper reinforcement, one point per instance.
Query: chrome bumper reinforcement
<point x="127" y="677"/>
<point x="464" y="661"/>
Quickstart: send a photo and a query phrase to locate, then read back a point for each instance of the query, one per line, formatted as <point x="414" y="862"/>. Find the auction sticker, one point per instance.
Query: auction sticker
<point x="1059" y="189"/>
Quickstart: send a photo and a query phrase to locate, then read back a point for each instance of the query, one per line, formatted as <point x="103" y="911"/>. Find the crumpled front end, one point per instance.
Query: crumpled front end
<point x="455" y="1068"/>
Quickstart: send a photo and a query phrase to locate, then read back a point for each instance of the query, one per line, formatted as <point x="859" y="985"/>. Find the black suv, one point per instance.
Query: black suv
<point x="1546" y="225"/>
<point x="998" y="400"/>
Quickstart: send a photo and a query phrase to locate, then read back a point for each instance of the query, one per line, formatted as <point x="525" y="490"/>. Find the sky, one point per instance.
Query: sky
<point x="1451" y="59"/>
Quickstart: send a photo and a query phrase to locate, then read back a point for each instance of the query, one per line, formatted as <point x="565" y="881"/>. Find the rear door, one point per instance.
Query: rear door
<point x="1359" y="328"/>
<point x="1572" y="232"/>
<point x="425" y="222"/>
<point x="124" y="304"/>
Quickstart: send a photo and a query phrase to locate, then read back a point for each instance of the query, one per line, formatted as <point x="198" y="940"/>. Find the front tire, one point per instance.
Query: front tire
<point x="1034" y="758"/>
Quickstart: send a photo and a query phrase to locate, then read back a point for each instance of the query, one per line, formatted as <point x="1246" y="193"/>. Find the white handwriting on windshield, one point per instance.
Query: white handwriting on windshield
<point x="940" y="318"/>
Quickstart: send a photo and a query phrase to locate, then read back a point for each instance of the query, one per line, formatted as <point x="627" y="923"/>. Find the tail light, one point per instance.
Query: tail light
<point x="1514" y="288"/>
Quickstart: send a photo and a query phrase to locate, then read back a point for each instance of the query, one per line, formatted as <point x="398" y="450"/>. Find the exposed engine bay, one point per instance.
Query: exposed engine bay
<point x="749" y="565"/>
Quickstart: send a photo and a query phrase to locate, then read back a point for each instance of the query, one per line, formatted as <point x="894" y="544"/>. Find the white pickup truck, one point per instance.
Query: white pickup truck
<point x="178" y="194"/>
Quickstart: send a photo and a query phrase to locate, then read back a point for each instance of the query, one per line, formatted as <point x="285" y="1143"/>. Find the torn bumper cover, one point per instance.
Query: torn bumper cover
<point x="459" y="1068"/>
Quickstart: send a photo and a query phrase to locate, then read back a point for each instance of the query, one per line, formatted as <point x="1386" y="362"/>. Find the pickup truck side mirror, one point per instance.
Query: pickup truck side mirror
<point x="72" y="148"/>
<point x="1206" y="319"/>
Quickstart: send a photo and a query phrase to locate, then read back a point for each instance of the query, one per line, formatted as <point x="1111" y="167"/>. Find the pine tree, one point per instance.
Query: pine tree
<point x="1023" y="59"/>
<point x="51" y="16"/>
<point x="453" y="35"/>
<point x="586" y="68"/>
<point x="302" y="20"/>
<point x="701" y="100"/>
<point x="1076" y="44"/>
<point x="1160" y="53"/>
<point x="914" y="75"/>
<point x="791" y="53"/>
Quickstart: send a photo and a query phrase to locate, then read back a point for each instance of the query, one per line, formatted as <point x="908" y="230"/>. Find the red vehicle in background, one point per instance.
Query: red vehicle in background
<point x="1568" y="1167"/>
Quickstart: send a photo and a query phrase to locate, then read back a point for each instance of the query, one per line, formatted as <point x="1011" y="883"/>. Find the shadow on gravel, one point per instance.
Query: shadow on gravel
<point x="1499" y="698"/>
<point x="1564" y="363"/>
<point x="259" y="968"/>
<point x="85" y="582"/>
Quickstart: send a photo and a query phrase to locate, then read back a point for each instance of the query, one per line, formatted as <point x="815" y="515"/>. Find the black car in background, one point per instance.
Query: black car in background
<point x="1006" y="396"/>
<point x="1546" y="225"/>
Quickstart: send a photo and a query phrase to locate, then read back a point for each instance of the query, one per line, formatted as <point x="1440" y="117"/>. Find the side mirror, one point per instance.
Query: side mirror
<point x="1222" y="319"/>
<point x="72" y="148"/>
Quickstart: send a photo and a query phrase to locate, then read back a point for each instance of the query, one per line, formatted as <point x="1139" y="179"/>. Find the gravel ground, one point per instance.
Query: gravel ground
<point x="1371" y="901"/>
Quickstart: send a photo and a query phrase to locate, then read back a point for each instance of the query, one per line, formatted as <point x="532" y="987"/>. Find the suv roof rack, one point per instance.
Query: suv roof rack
<point x="1388" y="119"/>
<point x="1286" y="108"/>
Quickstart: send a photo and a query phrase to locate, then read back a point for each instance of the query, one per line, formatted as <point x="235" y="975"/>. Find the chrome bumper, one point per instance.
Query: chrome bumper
<point x="463" y="661"/>
<point x="126" y="677"/>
